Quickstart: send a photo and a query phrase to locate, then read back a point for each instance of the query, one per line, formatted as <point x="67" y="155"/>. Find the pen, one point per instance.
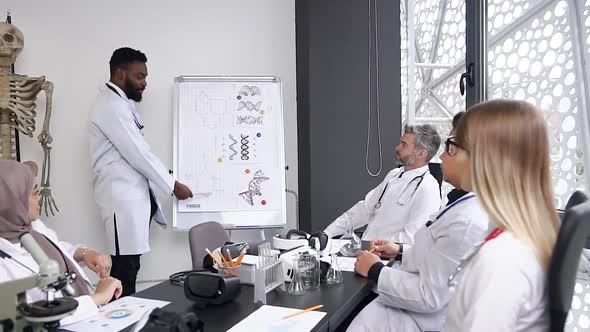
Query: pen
<point x="303" y="311"/>
<point x="231" y="260"/>
<point x="223" y="259"/>
<point x="213" y="257"/>
<point x="239" y="261"/>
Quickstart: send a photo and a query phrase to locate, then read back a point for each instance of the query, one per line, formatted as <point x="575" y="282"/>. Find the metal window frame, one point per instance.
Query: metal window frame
<point x="581" y="62"/>
<point x="476" y="49"/>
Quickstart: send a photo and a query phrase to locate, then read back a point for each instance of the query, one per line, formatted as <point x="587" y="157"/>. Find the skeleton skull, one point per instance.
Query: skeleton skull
<point x="11" y="43"/>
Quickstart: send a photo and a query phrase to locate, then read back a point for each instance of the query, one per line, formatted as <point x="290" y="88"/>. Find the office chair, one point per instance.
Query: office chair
<point x="436" y="171"/>
<point x="576" y="198"/>
<point x="206" y="235"/>
<point x="563" y="267"/>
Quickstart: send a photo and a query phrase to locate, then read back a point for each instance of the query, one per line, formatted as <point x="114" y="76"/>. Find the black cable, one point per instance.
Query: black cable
<point x="4" y="254"/>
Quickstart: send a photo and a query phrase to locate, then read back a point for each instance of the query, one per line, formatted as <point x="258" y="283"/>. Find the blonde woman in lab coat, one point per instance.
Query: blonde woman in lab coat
<point x="414" y="295"/>
<point x="19" y="210"/>
<point x="502" y="286"/>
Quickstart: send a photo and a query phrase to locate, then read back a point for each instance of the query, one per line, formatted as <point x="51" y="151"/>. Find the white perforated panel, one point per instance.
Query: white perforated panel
<point x="535" y="62"/>
<point x="531" y="57"/>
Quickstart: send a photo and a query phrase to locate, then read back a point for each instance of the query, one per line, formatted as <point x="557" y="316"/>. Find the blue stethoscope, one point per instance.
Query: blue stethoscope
<point x="419" y="178"/>
<point x="462" y="199"/>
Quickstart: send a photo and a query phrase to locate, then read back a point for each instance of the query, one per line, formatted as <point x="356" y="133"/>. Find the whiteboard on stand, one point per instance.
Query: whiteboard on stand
<point x="229" y="149"/>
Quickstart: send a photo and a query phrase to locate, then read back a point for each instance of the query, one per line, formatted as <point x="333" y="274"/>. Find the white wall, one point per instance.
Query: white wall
<point x="70" y="42"/>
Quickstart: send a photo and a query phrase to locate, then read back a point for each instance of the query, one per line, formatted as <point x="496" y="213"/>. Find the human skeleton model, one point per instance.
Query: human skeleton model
<point x="17" y="107"/>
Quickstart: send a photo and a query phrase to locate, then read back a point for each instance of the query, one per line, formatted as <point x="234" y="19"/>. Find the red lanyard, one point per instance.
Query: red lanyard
<point x="494" y="234"/>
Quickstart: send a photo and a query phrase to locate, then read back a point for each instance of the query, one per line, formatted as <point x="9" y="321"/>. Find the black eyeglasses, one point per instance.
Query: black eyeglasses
<point x="451" y="141"/>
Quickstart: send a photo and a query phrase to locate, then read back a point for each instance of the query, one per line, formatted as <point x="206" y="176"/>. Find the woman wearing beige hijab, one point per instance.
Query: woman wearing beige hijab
<point x="19" y="212"/>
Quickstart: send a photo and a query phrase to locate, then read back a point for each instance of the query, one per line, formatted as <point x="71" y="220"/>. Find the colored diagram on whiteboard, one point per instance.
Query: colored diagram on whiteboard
<point x="254" y="188"/>
<point x="228" y="151"/>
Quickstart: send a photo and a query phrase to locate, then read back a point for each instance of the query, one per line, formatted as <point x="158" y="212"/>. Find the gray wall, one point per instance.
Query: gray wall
<point x="332" y="98"/>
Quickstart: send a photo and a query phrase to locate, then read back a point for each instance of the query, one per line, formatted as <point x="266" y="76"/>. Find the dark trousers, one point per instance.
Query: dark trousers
<point x="125" y="268"/>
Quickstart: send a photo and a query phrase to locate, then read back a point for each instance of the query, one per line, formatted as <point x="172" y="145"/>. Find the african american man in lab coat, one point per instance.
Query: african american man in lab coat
<point x="125" y="171"/>
<point x="398" y="206"/>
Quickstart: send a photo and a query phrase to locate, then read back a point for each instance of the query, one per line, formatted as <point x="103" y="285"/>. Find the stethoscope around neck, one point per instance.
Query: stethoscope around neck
<point x="137" y="123"/>
<point x="462" y="199"/>
<point x="68" y="274"/>
<point x="418" y="178"/>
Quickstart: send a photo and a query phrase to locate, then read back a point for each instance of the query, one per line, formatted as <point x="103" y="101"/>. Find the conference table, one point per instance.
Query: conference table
<point x="338" y="300"/>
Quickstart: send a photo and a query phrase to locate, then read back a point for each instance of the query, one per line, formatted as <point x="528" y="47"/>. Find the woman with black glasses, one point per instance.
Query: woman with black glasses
<point x="501" y="285"/>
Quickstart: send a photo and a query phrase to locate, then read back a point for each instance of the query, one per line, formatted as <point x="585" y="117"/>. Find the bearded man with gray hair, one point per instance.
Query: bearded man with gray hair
<point x="398" y="206"/>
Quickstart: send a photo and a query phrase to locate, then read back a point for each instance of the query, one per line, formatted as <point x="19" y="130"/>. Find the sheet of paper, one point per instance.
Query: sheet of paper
<point x="250" y="259"/>
<point x="345" y="263"/>
<point x="268" y="318"/>
<point x="116" y="315"/>
<point x="334" y="246"/>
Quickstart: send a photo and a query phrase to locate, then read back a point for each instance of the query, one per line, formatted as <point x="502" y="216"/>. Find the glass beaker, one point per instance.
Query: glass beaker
<point x="334" y="275"/>
<point x="353" y="242"/>
<point x="296" y="286"/>
<point x="309" y="268"/>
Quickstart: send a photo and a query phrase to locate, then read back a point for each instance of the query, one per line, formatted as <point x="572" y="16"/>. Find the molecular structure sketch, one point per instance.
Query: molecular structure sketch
<point x="250" y="90"/>
<point x="254" y="187"/>
<point x="249" y="120"/>
<point x="250" y="106"/>
<point x="209" y="110"/>
<point x="245" y="148"/>
<point x="231" y="147"/>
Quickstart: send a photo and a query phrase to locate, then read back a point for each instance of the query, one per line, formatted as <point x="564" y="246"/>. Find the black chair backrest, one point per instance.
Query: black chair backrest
<point x="576" y="198"/>
<point x="563" y="267"/>
<point x="436" y="171"/>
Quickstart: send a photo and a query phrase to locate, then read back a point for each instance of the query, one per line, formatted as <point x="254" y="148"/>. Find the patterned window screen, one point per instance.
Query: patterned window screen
<point x="531" y="56"/>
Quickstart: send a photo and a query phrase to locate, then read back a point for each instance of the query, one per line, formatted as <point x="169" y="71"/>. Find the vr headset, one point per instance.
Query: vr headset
<point x="298" y="238"/>
<point x="211" y="288"/>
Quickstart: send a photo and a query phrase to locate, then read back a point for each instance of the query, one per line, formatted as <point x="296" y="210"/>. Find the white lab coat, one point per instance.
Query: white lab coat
<point x="392" y="220"/>
<point x="10" y="270"/>
<point x="502" y="288"/>
<point x="414" y="296"/>
<point x="124" y="171"/>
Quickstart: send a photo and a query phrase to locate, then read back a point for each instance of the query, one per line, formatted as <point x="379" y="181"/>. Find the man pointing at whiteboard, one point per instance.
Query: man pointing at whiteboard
<point x="125" y="171"/>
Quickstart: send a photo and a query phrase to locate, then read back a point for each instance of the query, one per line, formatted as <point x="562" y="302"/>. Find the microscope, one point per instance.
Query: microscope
<point x="18" y="315"/>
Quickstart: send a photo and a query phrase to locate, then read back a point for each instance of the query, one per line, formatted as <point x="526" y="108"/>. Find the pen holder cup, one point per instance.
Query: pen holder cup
<point x="232" y="271"/>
